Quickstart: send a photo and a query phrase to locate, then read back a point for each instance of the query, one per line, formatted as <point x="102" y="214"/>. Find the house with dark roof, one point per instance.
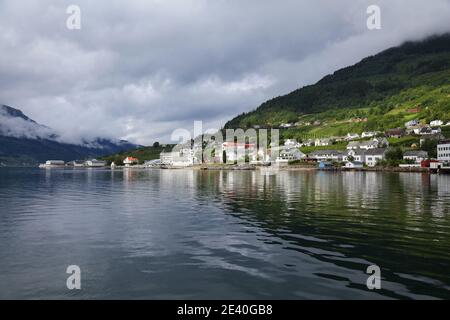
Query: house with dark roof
<point x="415" y="155"/>
<point x="321" y="155"/>
<point x="373" y="156"/>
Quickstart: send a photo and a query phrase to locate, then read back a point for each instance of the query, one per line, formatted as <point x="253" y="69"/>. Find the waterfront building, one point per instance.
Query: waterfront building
<point x="289" y="154"/>
<point x="94" y="163"/>
<point x="373" y="156"/>
<point x="415" y="155"/>
<point x="322" y="155"/>
<point x="129" y="161"/>
<point x="443" y="151"/>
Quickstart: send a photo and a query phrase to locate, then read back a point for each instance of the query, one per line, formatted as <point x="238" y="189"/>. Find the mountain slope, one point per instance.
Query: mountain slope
<point x="25" y="142"/>
<point x="381" y="87"/>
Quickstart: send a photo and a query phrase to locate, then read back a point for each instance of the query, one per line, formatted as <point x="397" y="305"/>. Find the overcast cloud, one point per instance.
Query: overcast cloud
<point x="140" y="69"/>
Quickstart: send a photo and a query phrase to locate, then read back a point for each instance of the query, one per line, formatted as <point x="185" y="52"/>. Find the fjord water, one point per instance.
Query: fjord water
<point x="188" y="234"/>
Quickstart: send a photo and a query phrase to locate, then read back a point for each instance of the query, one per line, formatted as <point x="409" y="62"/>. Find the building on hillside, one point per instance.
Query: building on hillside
<point x="323" y="142"/>
<point x="130" y="161"/>
<point x="357" y="155"/>
<point x="373" y="156"/>
<point x="369" y="134"/>
<point x="443" y="151"/>
<point x="415" y="155"/>
<point x="411" y="123"/>
<point x="414" y="110"/>
<point x="436" y="123"/>
<point x="425" y="131"/>
<point x="395" y="133"/>
<point x="353" y="145"/>
<point x="366" y="145"/>
<point x="352" y="136"/>
<point x="323" y="155"/>
<point x="94" y="163"/>
<point x="382" y="142"/>
<point x="289" y="154"/>
<point x="291" y="143"/>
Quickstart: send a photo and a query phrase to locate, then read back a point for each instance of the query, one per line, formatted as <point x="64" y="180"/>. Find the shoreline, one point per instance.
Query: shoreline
<point x="250" y="168"/>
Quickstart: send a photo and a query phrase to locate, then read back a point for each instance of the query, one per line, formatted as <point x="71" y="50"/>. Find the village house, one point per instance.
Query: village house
<point x="395" y="133"/>
<point x="436" y="123"/>
<point x="373" y="156"/>
<point x="369" y="134"/>
<point x="129" y="161"/>
<point x="289" y="154"/>
<point x="322" y="155"/>
<point x="234" y="151"/>
<point x="94" y="163"/>
<point x="411" y="123"/>
<point x="357" y="155"/>
<point x="415" y="155"/>
<point x="443" y="151"/>
<point x="76" y="163"/>
<point x="292" y="143"/>
<point x="323" y="142"/>
<point x="352" y="136"/>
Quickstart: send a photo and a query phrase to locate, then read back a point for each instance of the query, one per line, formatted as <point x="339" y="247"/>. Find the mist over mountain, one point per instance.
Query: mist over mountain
<point x="23" y="141"/>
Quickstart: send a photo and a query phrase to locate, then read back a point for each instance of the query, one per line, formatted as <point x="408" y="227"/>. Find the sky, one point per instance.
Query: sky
<point x="138" y="70"/>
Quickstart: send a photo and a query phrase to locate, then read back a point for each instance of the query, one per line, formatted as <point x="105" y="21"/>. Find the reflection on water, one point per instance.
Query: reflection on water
<point x="223" y="234"/>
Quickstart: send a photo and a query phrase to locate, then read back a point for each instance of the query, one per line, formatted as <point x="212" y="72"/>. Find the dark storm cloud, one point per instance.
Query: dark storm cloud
<point x="140" y="69"/>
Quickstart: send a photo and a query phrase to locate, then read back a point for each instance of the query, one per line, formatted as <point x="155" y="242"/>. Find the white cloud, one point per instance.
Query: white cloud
<point x="140" y="69"/>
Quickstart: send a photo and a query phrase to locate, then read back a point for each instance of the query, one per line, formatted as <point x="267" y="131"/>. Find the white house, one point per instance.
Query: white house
<point x="443" y="151"/>
<point x="357" y="155"/>
<point x="411" y="123"/>
<point x="436" y="123"/>
<point x="382" y="142"/>
<point x="323" y="142"/>
<point x="369" y="134"/>
<point x="235" y="151"/>
<point x="94" y="163"/>
<point x="353" y="145"/>
<point x="129" y="161"/>
<point x="292" y="143"/>
<point x="289" y="154"/>
<point x="373" y="156"/>
<point x="352" y="136"/>
<point x="415" y="155"/>
<point x="367" y="145"/>
<point x="322" y="155"/>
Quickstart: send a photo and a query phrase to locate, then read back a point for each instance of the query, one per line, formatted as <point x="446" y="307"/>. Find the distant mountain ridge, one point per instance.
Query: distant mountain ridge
<point x="379" y="87"/>
<point x="23" y="141"/>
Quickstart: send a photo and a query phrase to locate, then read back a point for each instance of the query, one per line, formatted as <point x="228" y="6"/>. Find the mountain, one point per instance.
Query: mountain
<point x="411" y="81"/>
<point x="23" y="141"/>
